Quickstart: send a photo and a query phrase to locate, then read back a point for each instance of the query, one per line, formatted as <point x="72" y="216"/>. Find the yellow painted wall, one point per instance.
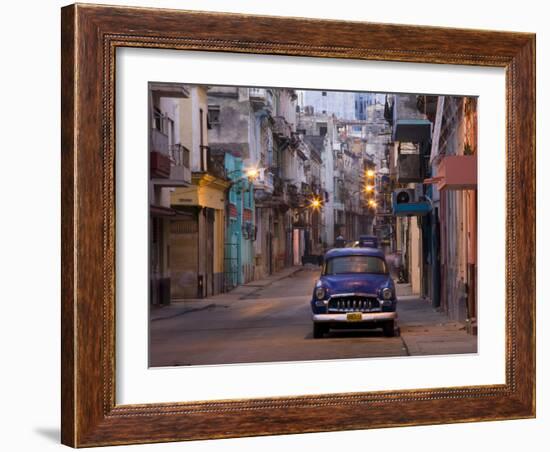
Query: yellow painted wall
<point x="189" y="124"/>
<point x="186" y="123"/>
<point x="415" y="250"/>
<point x="204" y="196"/>
<point x="219" y="241"/>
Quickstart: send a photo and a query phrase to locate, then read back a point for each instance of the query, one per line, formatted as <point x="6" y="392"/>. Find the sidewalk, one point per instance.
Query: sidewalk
<point x="184" y="306"/>
<point x="428" y="331"/>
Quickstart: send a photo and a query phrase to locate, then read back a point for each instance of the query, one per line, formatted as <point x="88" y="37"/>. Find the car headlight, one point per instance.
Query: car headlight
<point x="387" y="293"/>
<point x="320" y="293"/>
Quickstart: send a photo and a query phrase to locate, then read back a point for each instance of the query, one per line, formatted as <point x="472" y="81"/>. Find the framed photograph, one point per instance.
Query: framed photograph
<point x="281" y="225"/>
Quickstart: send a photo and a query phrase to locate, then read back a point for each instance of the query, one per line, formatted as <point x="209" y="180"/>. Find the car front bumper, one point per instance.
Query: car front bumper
<point x="365" y="317"/>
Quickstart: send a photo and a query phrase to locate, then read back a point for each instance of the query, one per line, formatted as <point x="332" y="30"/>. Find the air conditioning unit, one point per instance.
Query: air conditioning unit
<point x="410" y="202"/>
<point x="404" y="196"/>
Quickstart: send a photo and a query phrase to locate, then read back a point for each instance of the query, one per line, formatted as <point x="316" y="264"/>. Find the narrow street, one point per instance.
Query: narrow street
<point x="269" y="321"/>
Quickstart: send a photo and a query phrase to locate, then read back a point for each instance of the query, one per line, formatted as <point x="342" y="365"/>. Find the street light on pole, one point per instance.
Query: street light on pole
<point x="315" y="203"/>
<point x="252" y="174"/>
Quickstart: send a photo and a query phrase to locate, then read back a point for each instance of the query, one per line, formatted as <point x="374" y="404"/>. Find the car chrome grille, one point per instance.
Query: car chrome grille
<point x="353" y="304"/>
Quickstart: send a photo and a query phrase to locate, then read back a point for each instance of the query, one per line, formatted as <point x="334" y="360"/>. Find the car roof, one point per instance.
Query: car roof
<point x="339" y="252"/>
<point x="365" y="237"/>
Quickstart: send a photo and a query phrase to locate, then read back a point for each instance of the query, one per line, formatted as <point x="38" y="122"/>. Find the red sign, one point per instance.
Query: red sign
<point x="233" y="210"/>
<point x="247" y="215"/>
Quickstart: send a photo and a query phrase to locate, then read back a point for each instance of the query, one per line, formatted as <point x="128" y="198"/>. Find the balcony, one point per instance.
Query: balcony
<point x="281" y="128"/>
<point x="159" y="165"/>
<point x="159" y="141"/>
<point x="168" y="165"/>
<point x="213" y="162"/>
<point x="172" y="90"/>
<point x="171" y="169"/>
<point x="264" y="182"/>
<point x="180" y="169"/>
<point x="260" y="98"/>
<point x="257" y="94"/>
<point x="456" y="172"/>
<point x="293" y="195"/>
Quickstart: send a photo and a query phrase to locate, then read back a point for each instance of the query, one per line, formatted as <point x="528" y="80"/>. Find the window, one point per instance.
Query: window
<point x="355" y="264"/>
<point x="213" y="115"/>
<point x="157" y="119"/>
<point x="322" y="131"/>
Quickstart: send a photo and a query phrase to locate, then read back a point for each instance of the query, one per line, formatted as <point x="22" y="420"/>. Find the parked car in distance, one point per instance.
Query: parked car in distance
<point x="368" y="241"/>
<point x="355" y="290"/>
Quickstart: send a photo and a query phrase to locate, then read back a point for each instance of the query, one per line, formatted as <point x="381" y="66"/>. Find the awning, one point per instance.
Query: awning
<point x="161" y="211"/>
<point x="410" y="209"/>
<point x="456" y="172"/>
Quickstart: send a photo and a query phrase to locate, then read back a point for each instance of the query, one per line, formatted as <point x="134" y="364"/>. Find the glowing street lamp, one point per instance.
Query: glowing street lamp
<point x="373" y="203"/>
<point x="369" y="188"/>
<point x="252" y="174"/>
<point x="315" y="203"/>
<point x="370" y="173"/>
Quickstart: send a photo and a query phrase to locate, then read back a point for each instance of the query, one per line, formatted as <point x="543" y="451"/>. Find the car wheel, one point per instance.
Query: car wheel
<point x="319" y="330"/>
<point x="389" y="329"/>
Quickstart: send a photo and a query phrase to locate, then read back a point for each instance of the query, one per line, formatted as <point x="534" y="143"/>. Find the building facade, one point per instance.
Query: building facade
<point x="169" y="168"/>
<point x="433" y="169"/>
<point x="198" y="230"/>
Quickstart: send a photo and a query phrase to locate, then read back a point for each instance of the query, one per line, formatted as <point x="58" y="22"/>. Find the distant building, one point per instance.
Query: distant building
<point x="338" y="103"/>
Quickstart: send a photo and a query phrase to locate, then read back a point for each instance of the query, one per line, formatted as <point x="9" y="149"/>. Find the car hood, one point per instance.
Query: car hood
<point x="370" y="283"/>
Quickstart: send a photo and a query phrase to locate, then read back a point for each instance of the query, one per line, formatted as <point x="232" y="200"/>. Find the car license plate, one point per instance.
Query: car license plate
<point x="354" y="317"/>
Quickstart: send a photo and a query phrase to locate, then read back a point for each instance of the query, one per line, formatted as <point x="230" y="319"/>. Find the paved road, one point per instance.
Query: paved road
<point x="270" y="322"/>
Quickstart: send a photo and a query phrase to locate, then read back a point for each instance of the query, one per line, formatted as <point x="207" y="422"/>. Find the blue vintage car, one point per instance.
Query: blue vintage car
<point x="355" y="290"/>
<point x="367" y="241"/>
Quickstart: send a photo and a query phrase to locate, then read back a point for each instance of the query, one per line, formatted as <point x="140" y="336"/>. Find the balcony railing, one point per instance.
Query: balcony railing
<point x="169" y="165"/>
<point x="257" y="94"/>
<point x="159" y="165"/>
<point x="261" y="97"/>
<point x="281" y="128"/>
<point x="180" y="170"/>
<point x="268" y="178"/>
<point x="159" y="141"/>
<point x="179" y="155"/>
<point x="211" y="163"/>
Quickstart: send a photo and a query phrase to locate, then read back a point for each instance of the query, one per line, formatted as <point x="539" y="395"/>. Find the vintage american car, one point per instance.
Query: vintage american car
<point x="367" y="241"/>
<point x="355" y="290"/>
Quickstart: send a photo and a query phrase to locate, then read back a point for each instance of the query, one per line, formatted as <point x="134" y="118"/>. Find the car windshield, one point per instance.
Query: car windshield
<point x="368" y="243"/>
<point x="355" y="264"/>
